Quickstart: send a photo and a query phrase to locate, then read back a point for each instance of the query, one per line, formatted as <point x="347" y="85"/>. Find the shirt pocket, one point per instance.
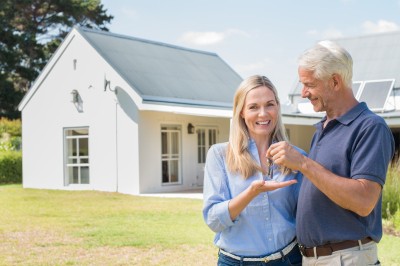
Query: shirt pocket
<point x="257" y="207"/>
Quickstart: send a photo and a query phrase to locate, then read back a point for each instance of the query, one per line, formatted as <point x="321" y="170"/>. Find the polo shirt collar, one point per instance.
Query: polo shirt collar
<point x="350" y="116"/>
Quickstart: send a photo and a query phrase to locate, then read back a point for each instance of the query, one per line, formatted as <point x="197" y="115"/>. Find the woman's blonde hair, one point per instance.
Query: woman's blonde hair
<point x="238" y="157"/>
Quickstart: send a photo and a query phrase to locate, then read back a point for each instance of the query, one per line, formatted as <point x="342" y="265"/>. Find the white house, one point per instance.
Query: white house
<point x="117" y="113"/>
<point x="376" y="81"/>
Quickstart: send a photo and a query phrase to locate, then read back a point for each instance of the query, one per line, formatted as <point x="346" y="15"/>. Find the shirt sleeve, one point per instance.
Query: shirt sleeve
<point x="216" y="194"/>
<point x="372" y="154"/>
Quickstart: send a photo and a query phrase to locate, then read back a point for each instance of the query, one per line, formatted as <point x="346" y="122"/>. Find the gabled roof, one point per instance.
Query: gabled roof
<point x="167" y="73"/>
<point x="162" y="74"/>
<point x="375" y="57"/>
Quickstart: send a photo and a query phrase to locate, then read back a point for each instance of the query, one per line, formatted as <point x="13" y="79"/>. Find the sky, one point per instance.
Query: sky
<point x="255" y="36"/>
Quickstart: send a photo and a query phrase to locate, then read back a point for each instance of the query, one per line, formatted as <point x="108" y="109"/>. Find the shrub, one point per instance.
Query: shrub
<point x="10" y="167"/>
<point x="11" y="127"/>
<point x="391" y="192"/>
<point x="396" y="219"/>
<point x="10" y="135"/>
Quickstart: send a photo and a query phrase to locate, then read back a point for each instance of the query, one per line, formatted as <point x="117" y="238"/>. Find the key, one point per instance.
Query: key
<point x="270" y="170"/>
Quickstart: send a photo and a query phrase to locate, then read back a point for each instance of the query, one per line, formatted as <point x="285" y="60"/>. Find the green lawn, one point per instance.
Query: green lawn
<point x="50" y="227"/>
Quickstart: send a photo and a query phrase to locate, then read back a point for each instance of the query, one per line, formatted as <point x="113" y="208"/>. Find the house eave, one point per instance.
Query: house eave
<point x="189" y="102"/>
<point x="301" y="119"/>
<point x="186" y="109"/>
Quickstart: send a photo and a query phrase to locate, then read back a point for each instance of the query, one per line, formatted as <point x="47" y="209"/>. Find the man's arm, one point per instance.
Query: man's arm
<point x="357" y="195"/>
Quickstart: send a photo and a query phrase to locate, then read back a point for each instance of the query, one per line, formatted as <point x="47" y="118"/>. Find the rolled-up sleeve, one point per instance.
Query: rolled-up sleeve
<point x="216" y="193"/>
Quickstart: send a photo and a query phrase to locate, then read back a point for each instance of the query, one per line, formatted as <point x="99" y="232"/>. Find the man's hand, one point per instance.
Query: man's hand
<point x="283" y="154"/>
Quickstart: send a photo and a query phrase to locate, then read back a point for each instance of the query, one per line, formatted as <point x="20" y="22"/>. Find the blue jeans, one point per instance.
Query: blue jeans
<point x="293" y="258"/>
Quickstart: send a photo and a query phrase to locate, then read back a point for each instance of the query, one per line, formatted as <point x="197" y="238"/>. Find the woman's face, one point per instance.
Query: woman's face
<point x="260" y="112"/>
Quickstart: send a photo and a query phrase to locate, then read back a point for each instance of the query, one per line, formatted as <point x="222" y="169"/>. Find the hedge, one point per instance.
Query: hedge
<point x="11" y="127"/>
<point x="10" y="167"/>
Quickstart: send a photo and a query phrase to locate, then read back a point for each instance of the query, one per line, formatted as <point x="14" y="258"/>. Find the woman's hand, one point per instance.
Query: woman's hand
<point x="237" y="204"/>
<point x="259" y="186"/>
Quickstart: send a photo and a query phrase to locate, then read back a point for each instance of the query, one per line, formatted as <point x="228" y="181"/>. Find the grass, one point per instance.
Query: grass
<point x="51" y="227"/>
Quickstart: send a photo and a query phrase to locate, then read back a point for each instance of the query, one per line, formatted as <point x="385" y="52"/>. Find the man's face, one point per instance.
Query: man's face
<point x="317" y="91"/>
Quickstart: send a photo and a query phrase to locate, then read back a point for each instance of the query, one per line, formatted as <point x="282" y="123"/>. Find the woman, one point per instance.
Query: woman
<point x="248" y="201"/>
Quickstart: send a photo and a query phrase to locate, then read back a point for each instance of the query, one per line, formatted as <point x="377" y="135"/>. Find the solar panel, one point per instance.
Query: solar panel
<point x="375" y="93"/>
<point x="356" y="88"/>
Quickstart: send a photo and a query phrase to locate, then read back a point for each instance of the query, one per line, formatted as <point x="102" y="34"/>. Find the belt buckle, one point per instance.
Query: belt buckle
<point x="266" y="260"/>
<point x="302" y="249"/>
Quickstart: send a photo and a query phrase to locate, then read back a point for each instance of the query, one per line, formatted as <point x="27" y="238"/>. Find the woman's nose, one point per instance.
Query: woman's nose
<point x="263" y="111"/>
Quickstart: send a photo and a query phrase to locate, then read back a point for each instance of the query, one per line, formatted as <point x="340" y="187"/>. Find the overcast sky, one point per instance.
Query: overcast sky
<point x="254" y="36"/>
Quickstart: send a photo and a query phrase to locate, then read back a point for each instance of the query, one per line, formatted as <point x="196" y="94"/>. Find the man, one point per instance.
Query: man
<point x="339" y="209"/>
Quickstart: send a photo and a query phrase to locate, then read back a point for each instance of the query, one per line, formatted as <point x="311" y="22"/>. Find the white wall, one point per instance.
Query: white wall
<point x="127" y="144"/>
<point x="150" y="148"/>
<point x="50" y="110"/>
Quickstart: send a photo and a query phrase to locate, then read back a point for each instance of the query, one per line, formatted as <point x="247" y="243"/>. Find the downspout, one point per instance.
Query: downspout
<point x="116" y="147"/>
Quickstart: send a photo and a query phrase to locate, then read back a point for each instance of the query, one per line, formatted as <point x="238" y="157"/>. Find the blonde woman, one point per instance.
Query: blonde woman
<point x="249" y="202"/>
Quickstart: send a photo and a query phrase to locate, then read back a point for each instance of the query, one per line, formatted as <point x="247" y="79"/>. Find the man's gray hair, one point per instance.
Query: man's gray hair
<point x="327" y="58"/>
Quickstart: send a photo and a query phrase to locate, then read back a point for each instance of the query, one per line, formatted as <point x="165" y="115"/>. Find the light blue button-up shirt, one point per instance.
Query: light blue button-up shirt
<point x="266" y="225"/>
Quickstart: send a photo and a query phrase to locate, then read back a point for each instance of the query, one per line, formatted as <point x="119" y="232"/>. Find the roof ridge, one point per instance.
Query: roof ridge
<point x="82" y="30"/>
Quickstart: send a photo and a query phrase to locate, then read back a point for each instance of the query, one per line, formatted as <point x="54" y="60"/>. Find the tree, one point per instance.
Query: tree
<point x="30" y="32"/>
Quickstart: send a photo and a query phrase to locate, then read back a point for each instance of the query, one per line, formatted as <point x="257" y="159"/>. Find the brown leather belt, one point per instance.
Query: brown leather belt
<point x="328" y="249"/>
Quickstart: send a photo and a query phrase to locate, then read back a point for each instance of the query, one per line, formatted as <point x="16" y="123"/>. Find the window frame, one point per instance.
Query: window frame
<point x="170" y="157"/>
<point x="203" y="147"/>
<point x="76" y="159"/>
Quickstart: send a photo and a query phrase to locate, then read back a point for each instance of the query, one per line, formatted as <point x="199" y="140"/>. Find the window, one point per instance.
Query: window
<point x="206" y="137"/>
<point x="77" y="156"/>
<point x="170" y="154"/>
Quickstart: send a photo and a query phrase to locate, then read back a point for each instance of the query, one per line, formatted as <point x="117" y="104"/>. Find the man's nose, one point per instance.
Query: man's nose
<point x="304" y="92"/>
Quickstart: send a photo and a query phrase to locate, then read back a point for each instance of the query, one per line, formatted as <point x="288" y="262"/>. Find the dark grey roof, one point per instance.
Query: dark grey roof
<point x="375" y="57"/>
<point x="164" y="73"/>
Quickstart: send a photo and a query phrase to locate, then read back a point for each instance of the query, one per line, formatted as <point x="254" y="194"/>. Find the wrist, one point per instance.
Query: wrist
<point x="253" y="190"/>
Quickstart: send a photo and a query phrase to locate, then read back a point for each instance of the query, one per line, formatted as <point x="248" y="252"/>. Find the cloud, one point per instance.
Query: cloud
<point x="209" y="37"/>
<point x="379" y="27"/>
<point x="332" y="34"/>
<point x="326" y="34"/>
<point x="254" y="67"/>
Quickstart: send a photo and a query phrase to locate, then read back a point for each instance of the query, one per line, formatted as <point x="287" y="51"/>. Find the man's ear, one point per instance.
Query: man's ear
<point x="336" y="81"/>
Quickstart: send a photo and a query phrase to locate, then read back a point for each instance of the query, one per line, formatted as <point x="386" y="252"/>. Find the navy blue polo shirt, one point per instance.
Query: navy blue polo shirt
<point x="358" y="144"/>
